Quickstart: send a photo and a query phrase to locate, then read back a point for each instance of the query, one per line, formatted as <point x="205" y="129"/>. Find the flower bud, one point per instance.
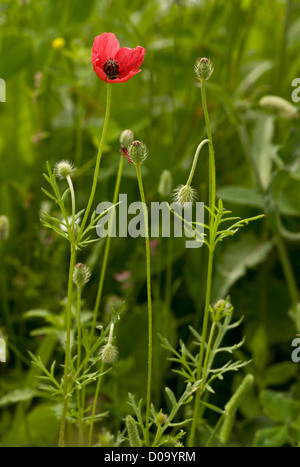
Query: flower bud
<point x="165" y="184"/>
<point x="64" y="169"/>
<point x="203" y="69"/>
<point x="81" y="275"/>
<point x="185" y="194"/>
<point x="284" y="108"/>
<point x="126" y="138"/>
<point x="4" y="228"/>
<point x="109" y="353"/>
<point x="161" y="418"/>
<point x="137" y="152"/>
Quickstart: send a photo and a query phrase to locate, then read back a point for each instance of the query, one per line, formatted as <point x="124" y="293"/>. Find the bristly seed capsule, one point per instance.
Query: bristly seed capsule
<point x="111" y="68"/>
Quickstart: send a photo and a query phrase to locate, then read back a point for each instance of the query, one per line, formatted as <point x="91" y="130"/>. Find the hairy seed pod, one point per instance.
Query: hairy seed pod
<point x="132" y="432"/>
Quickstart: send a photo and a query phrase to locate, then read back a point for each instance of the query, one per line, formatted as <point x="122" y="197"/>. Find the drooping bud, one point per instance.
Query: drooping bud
<point x="284" y="108"/>
<point x="203" y="69"/>
<point x="4" y="228"/>
<point x="81" y="275"/>
<point x="109" y="353"/>
<point x="64" y="169"/>
<point x="165" y="184"/>
<point x="137" y="152"/>
<point x="184" y="194"/>
<point x="126" y="138"/>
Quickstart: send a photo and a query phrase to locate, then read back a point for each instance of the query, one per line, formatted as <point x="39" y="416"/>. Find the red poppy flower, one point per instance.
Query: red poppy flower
<point x="114" y="64"/>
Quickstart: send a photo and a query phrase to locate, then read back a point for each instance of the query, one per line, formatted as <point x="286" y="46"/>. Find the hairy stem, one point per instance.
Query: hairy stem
<point x="212" y="200"/>
<point x="107" y="247"/>
<point x="149" y="299"/>
<point x="99" y="156"/>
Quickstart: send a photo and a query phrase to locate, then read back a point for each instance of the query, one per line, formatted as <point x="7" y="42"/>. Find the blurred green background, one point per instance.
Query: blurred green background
<point x="54" y="110"/>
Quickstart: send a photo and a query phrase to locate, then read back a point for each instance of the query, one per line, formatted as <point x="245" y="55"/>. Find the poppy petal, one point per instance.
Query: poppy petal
<point x="105" y="47"/>
<point x="122" y="79"/>
<point x="129" y="59"/>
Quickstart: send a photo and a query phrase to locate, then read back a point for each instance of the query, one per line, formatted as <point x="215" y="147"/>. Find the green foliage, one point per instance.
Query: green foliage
<point x="54" y="110"/>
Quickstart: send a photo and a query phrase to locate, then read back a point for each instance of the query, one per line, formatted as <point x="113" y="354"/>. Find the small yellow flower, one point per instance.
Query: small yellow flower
<point x="58" y="43"/>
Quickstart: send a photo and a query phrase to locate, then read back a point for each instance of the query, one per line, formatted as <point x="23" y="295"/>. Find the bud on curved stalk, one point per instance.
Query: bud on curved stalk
<point x="184" y="194"/>
<point x="4" y="228"/>
<point x="109" y="353"/>
<point x="203" y="69"/>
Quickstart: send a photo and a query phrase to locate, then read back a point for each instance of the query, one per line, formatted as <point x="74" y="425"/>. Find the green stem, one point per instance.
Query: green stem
<point x="105" y="259"/>
<point x="287" y="269"/>
<point x="107" y="247"/>
<point x="99" y="156"/>
<point x="68" y="317"/>
<point x="111" y="331"/>
<point x="79" y="334"/>
<point x="212" y="200"/>
<point x="212" y="166"/>
<point x="149" y="299"/>
<point x="68" y="346"/>
<point x="202" y="347"/>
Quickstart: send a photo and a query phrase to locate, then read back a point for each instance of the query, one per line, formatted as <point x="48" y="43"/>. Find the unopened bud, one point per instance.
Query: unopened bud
<point x="185" y="194"/>
<point x="81" y="275"/>
<point x="126" y="138"/>
<point x="64" y="169"/>
<point x="137" y="152"/>
<point x="203" y="69"/>
<point x="109" y="353"/>
<point x="4" y="228"/>
<point x="161" y="418"/>
<point x="165" y="184"/>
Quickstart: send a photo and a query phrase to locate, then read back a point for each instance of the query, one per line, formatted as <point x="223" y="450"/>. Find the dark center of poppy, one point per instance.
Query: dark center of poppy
<point x="111" y="68"/>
